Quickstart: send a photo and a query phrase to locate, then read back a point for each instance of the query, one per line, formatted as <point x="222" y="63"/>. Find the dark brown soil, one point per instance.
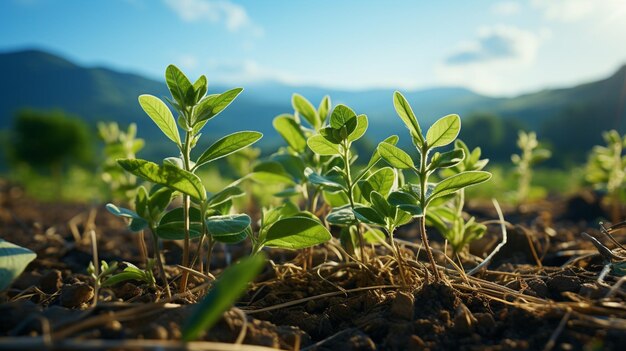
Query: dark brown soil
<point x="514" y="305"/>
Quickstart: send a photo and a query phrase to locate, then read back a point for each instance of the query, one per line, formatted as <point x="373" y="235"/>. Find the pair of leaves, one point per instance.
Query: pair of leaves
<point x="183" y="92"/>
<point x="223" y="228"/>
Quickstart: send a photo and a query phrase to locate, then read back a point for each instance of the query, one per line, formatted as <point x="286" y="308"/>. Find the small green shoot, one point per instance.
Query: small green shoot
<point x="416" y="198"/>
<point x="531" y="154"/>
<point x="606" y="170"/>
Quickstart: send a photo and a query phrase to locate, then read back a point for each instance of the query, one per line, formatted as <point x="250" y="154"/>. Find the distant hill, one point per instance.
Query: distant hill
<point x="42" y="80"/>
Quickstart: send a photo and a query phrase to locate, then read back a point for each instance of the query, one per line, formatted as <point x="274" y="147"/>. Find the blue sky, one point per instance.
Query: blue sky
<point x="499" y="48"/>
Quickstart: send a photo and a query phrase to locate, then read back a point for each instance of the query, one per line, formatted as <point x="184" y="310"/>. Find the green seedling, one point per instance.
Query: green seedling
<point x="287" y="166"/>
<point x="207" y="219"/>
<point x="416" y="198"/>
<point x="531" y="154"/>
<point x="448" y="217"/>
<point x="606" y="170"/>
<point x="13" y="261"/>
<point x="107" y="276"/>
<point x="231" y="284"/>
<point x="287" y="227"/>
<point x="335" y="141"/>
<point x="119" y="144"/>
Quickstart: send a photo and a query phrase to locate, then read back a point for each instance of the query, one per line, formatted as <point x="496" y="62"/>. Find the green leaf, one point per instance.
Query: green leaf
<point x="457" y="182"/>
<point x="405" y="202"/>
<point x="304" y="108"/>
<point x="341" y="216"/>
<point x="167" y="175"/>
<point x="293" y="165"/>
<point x="359" y="130"/>
<point x="230" y="285"/>
<point x="289" y="129"/>
<point x="179" y="85"/>
<point x="317" y="179"/>
<point x="404" y="110"/>
<point x="271" y="172"/>
<point x="161" y="115"/>
<point x="224" y="195"/>
<point x="380" y="204"/>
<point x="141" y="202"/>
<point x="227" y="225"/>
<point x="137" y="223"/>
<point x="200" y="88"/>
<point x="374" y="236"/>
<point x="160" y="198"/>
<point x="340" y="116"/>
<point x="212" y="105"/>
<point x="228" y="145"/>
<point x="323" y="109"/>
<point x="382" y="180"/>
<point x="443" y="131"/>
<point x="394" y="156"/>
<point x="322" y="146"/>
<point x="232" y="239"/>
<point x="369" y="215"/>
<point x="447" y="159"/>
<point x="13" y="261"/>
<point x="296" y="233"/>
<point x="172" y="225"/>
<point x="393" y="140"/>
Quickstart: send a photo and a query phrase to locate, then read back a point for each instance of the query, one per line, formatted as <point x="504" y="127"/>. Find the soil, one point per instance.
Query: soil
<point x="545" y="297"/>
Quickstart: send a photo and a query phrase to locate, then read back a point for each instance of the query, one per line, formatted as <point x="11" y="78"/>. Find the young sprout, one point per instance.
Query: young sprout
<point x="416" y="198"/>
<point x="448" y="217"/>
<point x="207" y="219"/>
<point x="531" y="154"/>
<point x="119" y="144"/>
<point x="606" y="169"/>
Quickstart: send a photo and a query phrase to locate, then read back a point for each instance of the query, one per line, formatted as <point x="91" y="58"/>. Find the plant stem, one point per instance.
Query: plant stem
<point x="346" y="160"/>
<point x="423" y="175"/>
<point x="209" y="254"/>
<point x="186" y="205"/>
<point x="157" y="256"/>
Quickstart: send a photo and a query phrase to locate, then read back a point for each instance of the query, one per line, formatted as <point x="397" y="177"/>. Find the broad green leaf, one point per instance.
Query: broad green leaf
<point x="317" y="179"/>
<point x="160" y="198"/>
<point x="443" y="131"/>
<point x="289" y="129"/>
<point x="406" y="202"/>
<point x="172" y="225"/>
<point x="404" y="110"/>
<point x="394" y="156"/>
<point x="200" y="88"/>
<point x="271" y="172"/>
<point x="457" y="182"/>
<point x="340" y="116"/>
<point x="321" y="146"/>
<point x="323" y="109"/>
<point x="374" y="236"/>
<point x="161" y="115"/>
<point x="212" y="105"/>
<point x="393" y="140"/>
<point x="369" y="215"/>
<point x="232" y="239"/>
<point x="228" y="145"/>
<point x="341" y="216"/>
<point x="359" y="130"/>
<point x="230" y="285"/>
<point x="167" y="175"/>
<point x="141" y="202"/>
<point x="380" y="204"/>
<point x="293" y="165"/>
<point x="272" y="215"/>
<point x="447" y="159"/>
<point x="179" y="85"/>
<point x="227" y="225"/>
<point x="304" y="108"/>
<point x="296" y="233"/>
<point x="382" y="180"/>
<point x="224" y="195"/>
<point x="13" y="261"/>
<point x="332" y="135"/>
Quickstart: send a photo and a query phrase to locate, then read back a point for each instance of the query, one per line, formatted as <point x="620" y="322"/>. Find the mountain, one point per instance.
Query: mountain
<point x="42" y="80"/>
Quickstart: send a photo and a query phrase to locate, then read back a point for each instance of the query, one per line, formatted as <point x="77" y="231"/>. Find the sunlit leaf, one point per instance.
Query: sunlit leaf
<point x="289" y="129"/>
<point x="161" y="115"/>
<point x="296" y="233"/>
<point x="228" y="145"/>
<point x="395" y="156"/>
<point x="443" y="131"/>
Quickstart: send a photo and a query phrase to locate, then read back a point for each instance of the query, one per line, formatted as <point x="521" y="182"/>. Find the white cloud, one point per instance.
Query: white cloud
<point x="247" y="71"/>
<point x="506" y="8"/>
<point x="498" y="43"/>
<point x="566" y="10"/>
<point x="487" y="63"/>
<point x="233" y="16"/>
